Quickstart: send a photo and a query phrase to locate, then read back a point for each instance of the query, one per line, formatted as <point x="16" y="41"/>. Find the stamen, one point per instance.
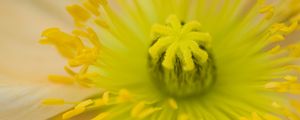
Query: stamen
<point x="173" y="104"/>
<point x="102" y="23"/>
<point x="102" y="2"/>
<point x="272" y="85"/>
<point x="61" y="79"/>
<point x="96" y="3"/>
<point x="289" y="86"/>
<point x="255" y="116"/>
<point x="294" y="50"/>
<point x="295" y="104"/>
<point x="124" y="96"/>
<point x="99" y="103"/>
<point x="66" y="44"/>
<point x="105" y="97"/>
<point x="291" y="78"/>
<point x="243" y="118"/>
<point x="73" y="113"/>
<point x="275" y="49"/>
<point x="147" y="112"/>
<point x="276" y="38"/>
<point x="92" y="8"/>
<point x="82" y="77"/>
<point x="101" y="116"/>
<point x="271" y="117"/>
<point x="78" y="13"/>
<point x="84" y="103"/>
<point x="268" y="11"/>
<point x="53" y="102"/>
<point x="282" y="28"/>
<point x="137" y="109"/>
<point x="293" y="67"/>
<point x="93" y="37"/>
<point x="73" y="48"/>
<point x="84" y="56"/>
<point x="81" y="107"/>
<point x="286" y="112"/>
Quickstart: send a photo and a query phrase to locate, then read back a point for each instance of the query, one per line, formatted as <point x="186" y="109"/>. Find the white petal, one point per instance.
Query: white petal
<point x="22" y="101"/>
<point x="24" y="64"/>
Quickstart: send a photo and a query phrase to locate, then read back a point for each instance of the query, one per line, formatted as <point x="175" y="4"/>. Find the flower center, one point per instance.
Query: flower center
<point x="180" y="61"/>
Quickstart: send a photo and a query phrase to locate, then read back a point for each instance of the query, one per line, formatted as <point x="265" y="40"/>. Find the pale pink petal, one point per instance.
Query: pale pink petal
<point x="25" y="64"/>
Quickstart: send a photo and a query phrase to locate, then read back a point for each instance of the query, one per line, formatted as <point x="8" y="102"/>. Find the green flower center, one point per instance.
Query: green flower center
<point x="180" y="60"/>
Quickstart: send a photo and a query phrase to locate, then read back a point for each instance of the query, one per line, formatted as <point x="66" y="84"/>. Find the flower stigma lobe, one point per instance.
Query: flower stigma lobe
<point x="180" y="58"/>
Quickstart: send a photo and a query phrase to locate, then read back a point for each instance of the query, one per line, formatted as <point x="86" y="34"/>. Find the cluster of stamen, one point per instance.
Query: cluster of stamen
<point x="78" y="52"/>
<point x="139" y="109"/>
<point x="106" y="100"/>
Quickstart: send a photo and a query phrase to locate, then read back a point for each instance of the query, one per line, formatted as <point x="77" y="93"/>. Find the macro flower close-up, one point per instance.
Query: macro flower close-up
<point x="172" y="60"/>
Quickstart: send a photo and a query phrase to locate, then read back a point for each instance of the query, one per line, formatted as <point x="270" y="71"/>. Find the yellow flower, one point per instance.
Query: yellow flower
<point x="182" y="60"/>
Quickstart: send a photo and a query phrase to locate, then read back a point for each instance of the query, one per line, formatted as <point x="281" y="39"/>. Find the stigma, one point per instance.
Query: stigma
<point x="180" y="58"/>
